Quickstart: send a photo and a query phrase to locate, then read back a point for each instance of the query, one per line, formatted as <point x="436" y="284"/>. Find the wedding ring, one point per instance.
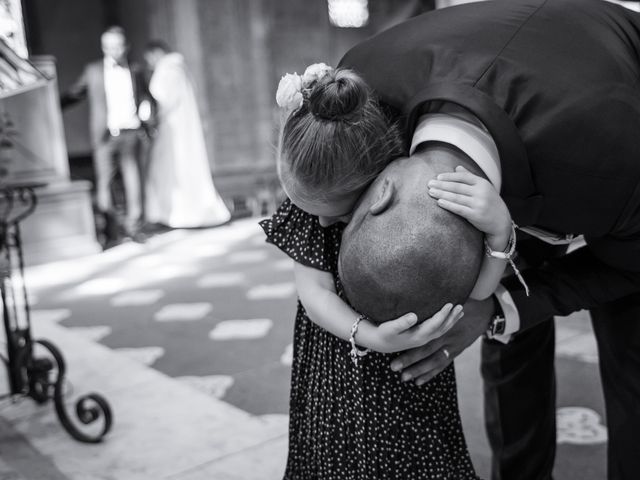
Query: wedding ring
<point x="446" y="353"/>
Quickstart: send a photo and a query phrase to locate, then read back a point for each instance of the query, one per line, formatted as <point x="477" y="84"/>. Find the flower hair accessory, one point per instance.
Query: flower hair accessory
<point x="315" y="72"/>
<point x="289" y="95"/>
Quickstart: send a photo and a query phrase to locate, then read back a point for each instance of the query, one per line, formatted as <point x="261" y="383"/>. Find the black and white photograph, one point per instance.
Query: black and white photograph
<point x="320" y="240"/>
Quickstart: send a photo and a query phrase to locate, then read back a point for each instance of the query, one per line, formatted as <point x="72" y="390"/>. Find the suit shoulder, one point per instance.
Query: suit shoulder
<point x="94" y="66"/>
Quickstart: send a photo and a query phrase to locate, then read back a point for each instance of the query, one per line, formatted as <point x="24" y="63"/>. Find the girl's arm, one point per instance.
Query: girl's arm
<point x="325" y="308"/>
<point x="475" y="199"/>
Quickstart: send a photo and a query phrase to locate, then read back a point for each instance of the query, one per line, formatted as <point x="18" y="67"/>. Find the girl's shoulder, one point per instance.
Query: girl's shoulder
<point x="300" y="235"/>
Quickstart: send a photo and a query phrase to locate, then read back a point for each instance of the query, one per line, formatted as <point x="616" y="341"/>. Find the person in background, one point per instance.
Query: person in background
<point x="114" y="88"/>
<point x="179" y="188"/>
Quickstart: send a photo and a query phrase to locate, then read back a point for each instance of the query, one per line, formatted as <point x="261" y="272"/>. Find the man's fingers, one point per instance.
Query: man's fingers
<point x="422" y="379"/>
<point x="410" y="357"/>
<point x="428" y="367"/>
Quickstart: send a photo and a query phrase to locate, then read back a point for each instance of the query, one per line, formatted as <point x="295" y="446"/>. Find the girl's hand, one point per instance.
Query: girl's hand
<point x="403" y="333"/>
<point x="476" y="200"/>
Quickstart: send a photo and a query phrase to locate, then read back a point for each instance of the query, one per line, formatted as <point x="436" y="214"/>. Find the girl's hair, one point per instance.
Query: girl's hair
<point x="339" y="139"/>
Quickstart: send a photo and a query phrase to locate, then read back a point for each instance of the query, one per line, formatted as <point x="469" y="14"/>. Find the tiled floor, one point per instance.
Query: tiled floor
<point x="189" y="338"/>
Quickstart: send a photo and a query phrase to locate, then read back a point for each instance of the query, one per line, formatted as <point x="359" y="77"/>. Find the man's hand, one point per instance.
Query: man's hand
<point x="421" y="364"/>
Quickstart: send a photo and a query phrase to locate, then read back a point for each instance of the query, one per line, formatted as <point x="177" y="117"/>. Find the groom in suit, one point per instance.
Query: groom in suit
<point x="114" y="89"/>
<point x="551" y="88"/>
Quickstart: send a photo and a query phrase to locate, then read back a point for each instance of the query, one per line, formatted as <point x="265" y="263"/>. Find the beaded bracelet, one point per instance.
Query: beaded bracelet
<point x="355" y="352"/>
<point x="508" y="255"/>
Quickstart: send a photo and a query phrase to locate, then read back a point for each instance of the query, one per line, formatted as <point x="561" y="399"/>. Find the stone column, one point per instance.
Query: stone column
<point x="62" y="224"/>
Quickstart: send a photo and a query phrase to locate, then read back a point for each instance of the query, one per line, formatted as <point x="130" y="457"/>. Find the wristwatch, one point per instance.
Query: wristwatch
<point x="498" y="323"/>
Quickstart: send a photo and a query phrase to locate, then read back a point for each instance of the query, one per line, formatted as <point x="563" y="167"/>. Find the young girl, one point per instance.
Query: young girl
<point x="360" y="421"/>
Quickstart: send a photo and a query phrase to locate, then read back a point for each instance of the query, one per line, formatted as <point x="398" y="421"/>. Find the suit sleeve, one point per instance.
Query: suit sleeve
<point x="142" y="78"/>
<point x="605" y="270"/>
<point x="583" y="279"/>
<point x="77" y="91"/>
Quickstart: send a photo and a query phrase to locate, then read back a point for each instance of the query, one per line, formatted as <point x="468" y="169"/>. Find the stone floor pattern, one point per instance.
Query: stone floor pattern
<point x="208" y="314"/>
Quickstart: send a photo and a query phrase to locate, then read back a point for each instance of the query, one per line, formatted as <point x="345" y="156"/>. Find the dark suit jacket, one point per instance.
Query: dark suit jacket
<point x="557" y="83"/>
<point x="90" y="86"/>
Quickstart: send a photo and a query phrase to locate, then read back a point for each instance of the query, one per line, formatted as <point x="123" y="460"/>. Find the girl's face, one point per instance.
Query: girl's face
<point x="328" y="211"/>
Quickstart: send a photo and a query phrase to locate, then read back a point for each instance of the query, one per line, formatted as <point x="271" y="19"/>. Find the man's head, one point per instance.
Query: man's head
<point x="114" y="43"/>
<point x="403" y="253"/>
<point x="154" y="51"/>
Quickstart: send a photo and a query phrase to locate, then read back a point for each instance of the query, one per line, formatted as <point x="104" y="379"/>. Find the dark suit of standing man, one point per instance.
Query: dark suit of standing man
<point x="557" y="85"/>
<point x="114" y="89"/>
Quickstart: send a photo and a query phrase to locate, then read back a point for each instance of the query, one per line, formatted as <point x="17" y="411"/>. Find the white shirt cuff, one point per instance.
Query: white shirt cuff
<point x="511" y="316"/>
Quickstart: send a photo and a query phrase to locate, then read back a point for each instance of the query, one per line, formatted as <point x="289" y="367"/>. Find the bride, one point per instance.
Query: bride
<point x="179" y="188"/>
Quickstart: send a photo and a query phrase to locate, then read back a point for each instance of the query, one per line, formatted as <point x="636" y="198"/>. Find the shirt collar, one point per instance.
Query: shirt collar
<point x="112" y="63"/>
<point x="474" y="141"/>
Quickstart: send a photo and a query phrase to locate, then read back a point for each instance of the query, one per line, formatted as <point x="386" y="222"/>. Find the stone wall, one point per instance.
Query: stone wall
<point x="69" y="30"/>
<point x="237" y="50"/>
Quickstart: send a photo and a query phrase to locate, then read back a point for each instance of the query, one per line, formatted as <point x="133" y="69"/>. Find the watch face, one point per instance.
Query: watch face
<point x="498" y="325"/>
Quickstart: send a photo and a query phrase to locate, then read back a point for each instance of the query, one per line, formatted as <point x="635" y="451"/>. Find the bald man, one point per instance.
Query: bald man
<point x="554" y="87"/>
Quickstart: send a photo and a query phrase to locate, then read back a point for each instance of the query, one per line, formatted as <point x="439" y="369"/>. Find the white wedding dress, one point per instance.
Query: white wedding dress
<point x="179" y="189"/>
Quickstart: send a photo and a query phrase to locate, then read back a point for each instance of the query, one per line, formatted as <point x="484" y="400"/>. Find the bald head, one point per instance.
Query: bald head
<point x="401" y="252"/>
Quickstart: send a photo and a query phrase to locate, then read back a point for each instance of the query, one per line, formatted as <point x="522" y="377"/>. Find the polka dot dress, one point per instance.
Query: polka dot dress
<point x="360" y="422"/>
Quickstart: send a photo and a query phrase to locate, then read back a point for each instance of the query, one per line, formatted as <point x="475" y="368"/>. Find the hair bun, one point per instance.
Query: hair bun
<point x="338" y="96"/>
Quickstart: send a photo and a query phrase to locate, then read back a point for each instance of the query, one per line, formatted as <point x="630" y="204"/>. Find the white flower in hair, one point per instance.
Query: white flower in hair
<point x="289" y="94"/>
<point x="314" y="73"/>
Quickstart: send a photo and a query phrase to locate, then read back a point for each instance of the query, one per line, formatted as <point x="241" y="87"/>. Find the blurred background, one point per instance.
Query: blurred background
<point x="185" y="331"/>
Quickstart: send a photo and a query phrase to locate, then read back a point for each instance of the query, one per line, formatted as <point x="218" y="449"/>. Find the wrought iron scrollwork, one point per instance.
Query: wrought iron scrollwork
<point x="90" y="408"/>
<point x="41" y="378"/>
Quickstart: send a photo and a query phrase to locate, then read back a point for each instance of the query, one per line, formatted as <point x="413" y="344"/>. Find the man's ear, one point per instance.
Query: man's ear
<point x="385" y="199"/>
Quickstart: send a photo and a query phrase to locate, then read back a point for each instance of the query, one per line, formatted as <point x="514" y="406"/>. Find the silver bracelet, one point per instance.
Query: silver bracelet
<point x="507" y="254"/>
<point x="356" y="352"/>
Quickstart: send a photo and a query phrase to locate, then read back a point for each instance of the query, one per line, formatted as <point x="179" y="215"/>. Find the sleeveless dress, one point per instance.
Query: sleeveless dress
<point x="361" y="422"/>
